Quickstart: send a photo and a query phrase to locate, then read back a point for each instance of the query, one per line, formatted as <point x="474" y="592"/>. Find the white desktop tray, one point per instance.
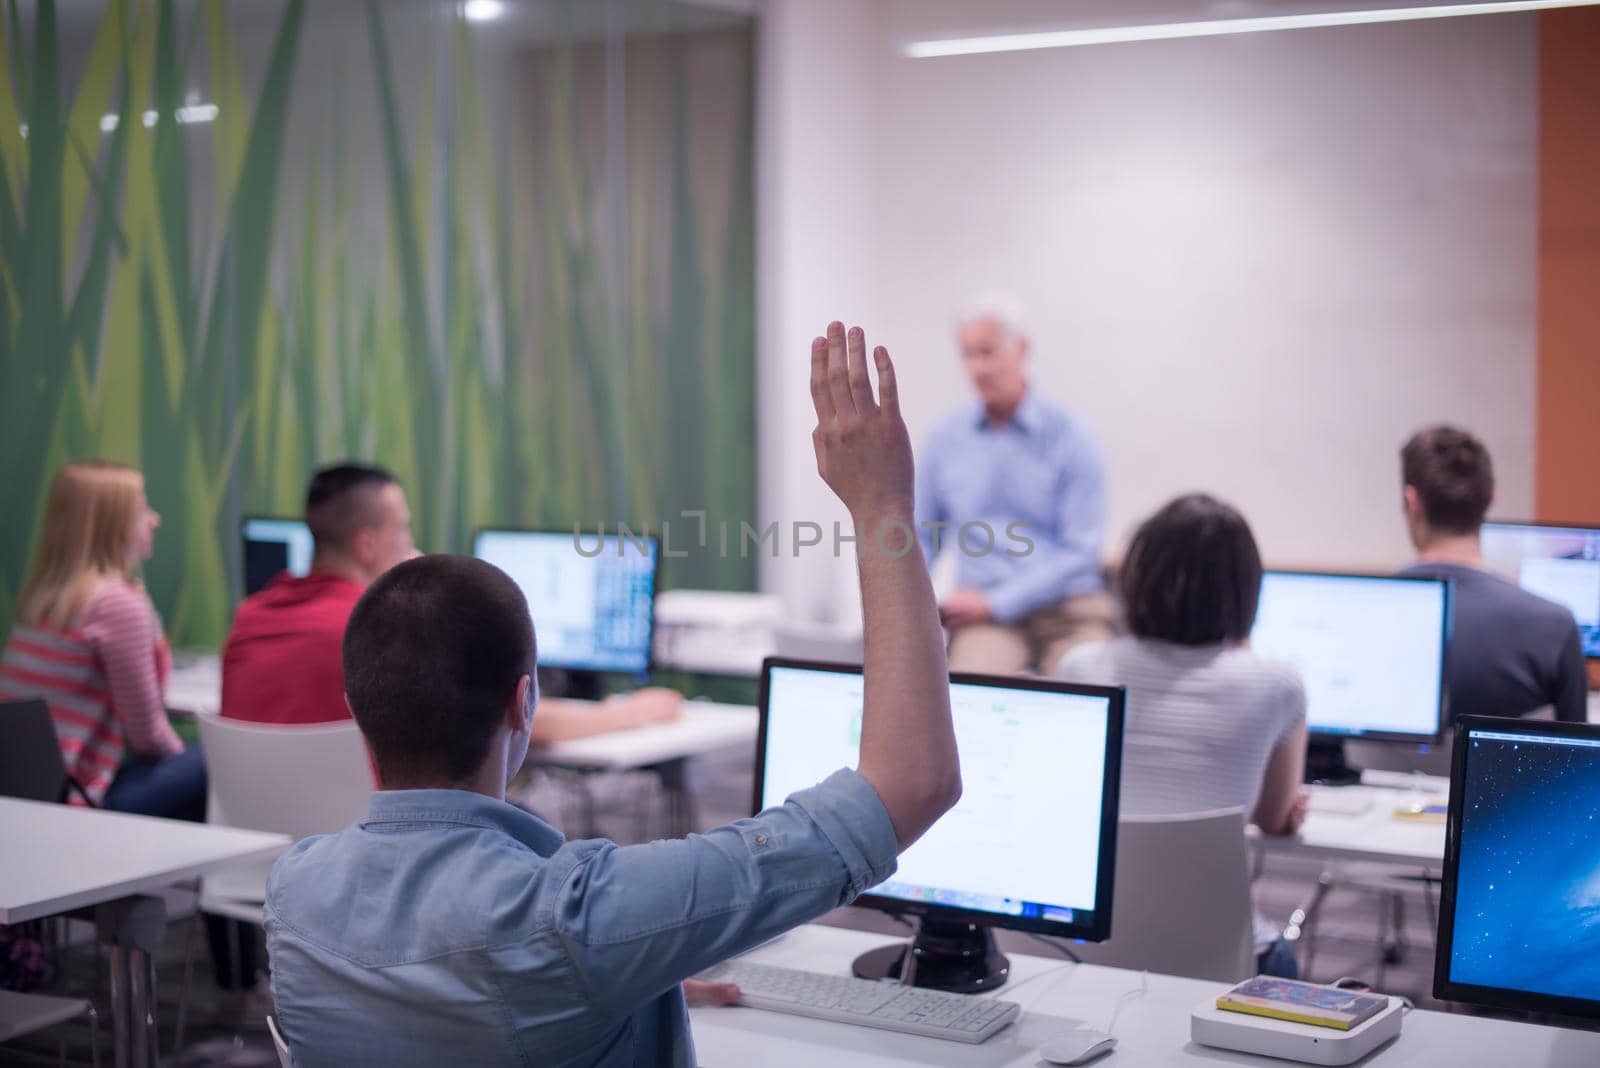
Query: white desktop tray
<point x="1211" y="1026"/>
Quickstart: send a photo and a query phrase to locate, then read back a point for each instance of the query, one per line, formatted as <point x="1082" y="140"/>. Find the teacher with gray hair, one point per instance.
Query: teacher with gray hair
<point x="1015" y="486"/>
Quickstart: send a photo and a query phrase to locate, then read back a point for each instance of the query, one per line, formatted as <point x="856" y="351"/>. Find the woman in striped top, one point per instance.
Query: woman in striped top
<point x="88" y="641"/>
<point x="1210" y="725"/>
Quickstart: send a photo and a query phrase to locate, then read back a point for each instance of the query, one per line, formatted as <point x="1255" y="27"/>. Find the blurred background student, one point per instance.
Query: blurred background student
<point x="88" y="642"/>
<point x="1210" y="724"/>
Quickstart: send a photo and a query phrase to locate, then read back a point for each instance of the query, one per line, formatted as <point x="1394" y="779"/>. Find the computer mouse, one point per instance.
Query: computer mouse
<point x="1077" y="1047"/>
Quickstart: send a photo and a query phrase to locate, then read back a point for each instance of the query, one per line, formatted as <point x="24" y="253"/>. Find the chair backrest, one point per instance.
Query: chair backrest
<point x="279" y="1044"/>
<point x="1181" y="902"/>
<point x="30" y="760"/>
<point x="295" y="780"/>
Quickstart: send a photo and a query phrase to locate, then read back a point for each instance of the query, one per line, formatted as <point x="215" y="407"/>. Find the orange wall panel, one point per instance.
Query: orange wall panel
<point x="1567" y="450"/>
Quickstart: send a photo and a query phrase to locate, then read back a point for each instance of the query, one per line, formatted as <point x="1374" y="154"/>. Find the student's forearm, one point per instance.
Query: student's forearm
<point x="1281" y="786"/>
<point x="908" y="746"/>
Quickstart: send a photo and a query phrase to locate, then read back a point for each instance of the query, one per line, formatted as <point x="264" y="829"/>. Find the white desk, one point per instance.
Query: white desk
<point x="1358" y="822"/>
<point x="664" y="749"/>
<point x="1152" y="1029"/>
<point x="59" y="857"/>
<point x="704" y="727"/>
<point x="195" y="685"/>
<point x="56" y="858"/>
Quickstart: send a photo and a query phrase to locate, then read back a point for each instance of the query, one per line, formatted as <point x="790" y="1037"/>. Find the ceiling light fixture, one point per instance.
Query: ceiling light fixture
<point x="1024" y="42"/>
<point x="482" y="10"/>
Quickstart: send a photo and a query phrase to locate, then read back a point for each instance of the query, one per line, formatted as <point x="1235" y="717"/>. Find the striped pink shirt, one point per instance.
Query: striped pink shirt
<point x="103" y="677"/>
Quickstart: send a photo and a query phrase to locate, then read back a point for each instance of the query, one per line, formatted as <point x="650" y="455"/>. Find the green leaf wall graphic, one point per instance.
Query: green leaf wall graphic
<point x="479" y="293"/>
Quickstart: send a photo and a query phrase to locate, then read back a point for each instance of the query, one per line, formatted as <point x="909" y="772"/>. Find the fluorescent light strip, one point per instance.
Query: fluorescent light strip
<point x="1024" y="42"/>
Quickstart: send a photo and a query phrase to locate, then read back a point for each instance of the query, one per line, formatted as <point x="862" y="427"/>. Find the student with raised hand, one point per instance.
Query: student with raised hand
<point x="1511" y="652"/>
<point x="1209" y="724"/>
<point x="449" y="926"/>
<point x="282" y="661"/>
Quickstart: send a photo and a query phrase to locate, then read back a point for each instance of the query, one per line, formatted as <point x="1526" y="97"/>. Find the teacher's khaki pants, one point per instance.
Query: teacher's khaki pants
<point x="1036" y="642"/>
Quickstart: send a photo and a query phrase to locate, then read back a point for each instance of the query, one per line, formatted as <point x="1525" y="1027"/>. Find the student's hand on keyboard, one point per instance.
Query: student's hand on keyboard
<point x="696" y="992"/>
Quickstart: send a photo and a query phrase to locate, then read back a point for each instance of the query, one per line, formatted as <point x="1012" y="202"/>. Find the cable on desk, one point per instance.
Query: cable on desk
<point x="1127" y="996"/>
<point x="1055" y="970"/>
<point x="1057" y="946"/>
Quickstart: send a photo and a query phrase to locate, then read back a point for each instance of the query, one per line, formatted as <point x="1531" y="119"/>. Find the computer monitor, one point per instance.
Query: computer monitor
<point x="273" y="545"/>
<point x="1519" y="907"/>
<point x="1031" y="845"/>
<point x="1369" y="648"/>
<point x="593" y="600"/>
<point x="1560" y="564"/>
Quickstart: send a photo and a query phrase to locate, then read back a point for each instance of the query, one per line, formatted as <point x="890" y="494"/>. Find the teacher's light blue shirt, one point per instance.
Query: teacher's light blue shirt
<point x="450" y="928"/>
<point x="1041" y="470"/>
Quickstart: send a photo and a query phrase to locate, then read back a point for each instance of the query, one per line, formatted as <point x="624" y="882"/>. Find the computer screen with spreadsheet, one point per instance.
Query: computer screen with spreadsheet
<point x="592" y="599"/>
<point x="1031" y="844"/>
<point x="1560" y="564"/>
<point x="1520" y="907"/>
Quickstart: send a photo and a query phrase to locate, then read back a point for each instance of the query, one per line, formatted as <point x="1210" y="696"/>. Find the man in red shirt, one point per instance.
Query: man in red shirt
<point x="283" y="662"/>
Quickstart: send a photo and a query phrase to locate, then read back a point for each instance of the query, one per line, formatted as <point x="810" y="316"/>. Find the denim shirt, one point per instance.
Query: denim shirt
<point x="451" y="928"/>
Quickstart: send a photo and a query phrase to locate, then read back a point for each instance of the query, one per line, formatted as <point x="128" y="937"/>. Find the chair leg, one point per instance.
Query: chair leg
<point x="1432" y="906"/>
<point x="1401" y="945"/>
<point x="94" y="1035"/>
<point x="188" y="980"/>
<point x="1302" y="923"/>
<point x="1382" y="967"/>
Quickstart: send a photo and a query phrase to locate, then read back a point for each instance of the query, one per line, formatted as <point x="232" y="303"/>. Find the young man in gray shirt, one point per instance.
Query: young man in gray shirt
<point x="1510" y="651"/>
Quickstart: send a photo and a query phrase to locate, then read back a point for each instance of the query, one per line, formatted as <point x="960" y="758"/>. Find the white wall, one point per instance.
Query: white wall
<point x="1253" y="264"/>
<point x="815" y="242"/>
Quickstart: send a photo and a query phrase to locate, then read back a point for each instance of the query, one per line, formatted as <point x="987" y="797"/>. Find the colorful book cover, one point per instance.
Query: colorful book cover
<point x="1423" y="813"/>
<point x="1297" y="1002"/>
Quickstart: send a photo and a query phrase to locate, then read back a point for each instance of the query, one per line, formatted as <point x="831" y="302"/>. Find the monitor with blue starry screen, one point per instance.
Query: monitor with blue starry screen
<point x="1520" y="909"/>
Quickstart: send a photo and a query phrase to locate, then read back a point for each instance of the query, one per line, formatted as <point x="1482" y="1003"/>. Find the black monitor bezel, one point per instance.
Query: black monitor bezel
<point x="1444" y="657"/>
<point x="1097" y="931"/>
<point x="253" y="517"/>
<point x="655" y="592"/>
<point x="1540" y="524"/>
<point x="1491" y="997"/>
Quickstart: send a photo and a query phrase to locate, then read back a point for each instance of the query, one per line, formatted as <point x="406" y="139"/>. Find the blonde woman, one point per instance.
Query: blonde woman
<point x="88" y="641"/>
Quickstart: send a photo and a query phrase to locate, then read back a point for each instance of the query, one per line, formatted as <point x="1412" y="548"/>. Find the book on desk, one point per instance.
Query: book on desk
<point x="1298" y="1002"/>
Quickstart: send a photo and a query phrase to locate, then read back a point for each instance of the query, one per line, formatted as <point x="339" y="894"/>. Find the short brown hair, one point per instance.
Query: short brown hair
<point x="1192" y="575"/>
<point x="433" y="651"/>
<point x="1453" y="477"/>
<point x="340" y="501"/>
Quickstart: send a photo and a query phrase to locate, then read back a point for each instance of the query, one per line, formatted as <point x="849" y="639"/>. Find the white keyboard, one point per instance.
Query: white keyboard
<point x="885" y="1005"/>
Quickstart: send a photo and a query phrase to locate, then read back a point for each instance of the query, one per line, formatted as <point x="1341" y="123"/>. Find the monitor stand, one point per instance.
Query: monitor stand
<point x="948" y="955"/>
<point x="1326" y="766"/>
<point x="563" y="682"/>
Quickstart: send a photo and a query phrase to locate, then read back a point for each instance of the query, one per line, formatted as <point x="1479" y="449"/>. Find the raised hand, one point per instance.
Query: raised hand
<point x="863" y="450"/>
